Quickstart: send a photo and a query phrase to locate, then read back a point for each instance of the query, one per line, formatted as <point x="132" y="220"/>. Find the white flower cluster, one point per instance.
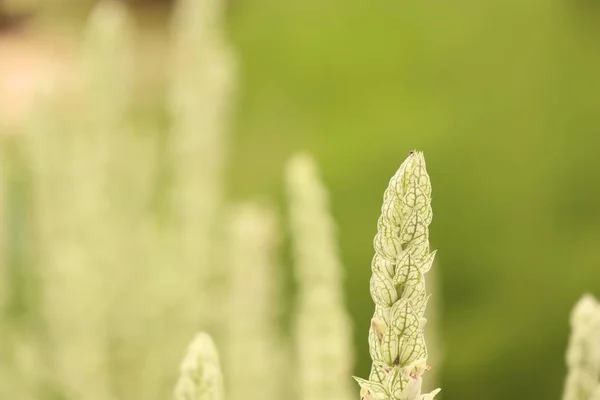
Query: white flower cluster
<point x="402" y="258"/>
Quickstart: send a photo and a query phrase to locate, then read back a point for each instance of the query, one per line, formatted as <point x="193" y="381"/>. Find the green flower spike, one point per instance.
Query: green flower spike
<point x="402" y="257"/>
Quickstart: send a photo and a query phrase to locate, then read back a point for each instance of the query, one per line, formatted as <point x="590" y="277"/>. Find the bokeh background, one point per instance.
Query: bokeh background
<point x="501" y="95"/>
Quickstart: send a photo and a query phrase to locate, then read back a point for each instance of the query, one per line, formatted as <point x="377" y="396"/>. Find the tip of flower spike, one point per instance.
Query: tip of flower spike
<point x="305" y="160"/>
<point x="586" y="306"/>
<point x="414" y="157"/>
<point x="299" y="167"/>
<point x="200" y="372"/>
<point x="201" y="349"/>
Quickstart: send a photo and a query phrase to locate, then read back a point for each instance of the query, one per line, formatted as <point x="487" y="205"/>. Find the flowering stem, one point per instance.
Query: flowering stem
<point x="402" y="257"/>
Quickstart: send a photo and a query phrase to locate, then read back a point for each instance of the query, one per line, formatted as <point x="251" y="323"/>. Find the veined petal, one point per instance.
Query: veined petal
<point x="397" y="381"/>
<point x="415" y="199"/>
<point x="383" y="290"/>
<point x="383" y="265"/>
<point x="390" y="346"/>
<point x="391" y="210"/>
<point x="414" y="291"/>
<point x="405" y="320"/>
<point x="370" y="390"/>
<point x="407" y="272"/>
<point x="419" y="302"/>
<point x="413" y="348"/>
<point x="414" y="231"/>
<point x="387" y="243"/>
<point x="427" y="262"/>
<point x="416" y="172"/>
<point x="378" y="373"/>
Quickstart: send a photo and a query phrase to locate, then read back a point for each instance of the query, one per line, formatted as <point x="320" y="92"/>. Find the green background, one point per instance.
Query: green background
<point x="503" y="98"/>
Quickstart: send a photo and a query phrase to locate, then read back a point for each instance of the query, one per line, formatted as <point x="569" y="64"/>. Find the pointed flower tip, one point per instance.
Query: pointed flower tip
<point x="201" y="349"/>
<point x="200" y="372"/>
<point x="371" y="390"/>
<point x="415" y="154"/>
<point x="302" y="157"/>
<point x="587" y="305"/>
<point x="431" y="395"/>
<point x="587" y="300"/>
<point x="415" y="160"/>
<point x="301" y="164"/>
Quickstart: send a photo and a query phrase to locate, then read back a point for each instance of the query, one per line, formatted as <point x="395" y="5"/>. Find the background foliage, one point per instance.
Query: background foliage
<point x="501" y="95"/>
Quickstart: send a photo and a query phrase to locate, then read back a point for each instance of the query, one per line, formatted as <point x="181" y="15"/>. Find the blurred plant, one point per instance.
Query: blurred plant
<point x="71" y="162"/>
<point x="322" y="326"/>
<point x="199" y="100"/>
<point x="21" y="374"/>
<point x="201" y="80"/>
<point x="253" y="346"/>
<point x="402" y="258"/>
<point x="200" y="377"/>
<point x="583" y="353"/>
<point x="123" y="284"/>
<point x="63" y="9"/>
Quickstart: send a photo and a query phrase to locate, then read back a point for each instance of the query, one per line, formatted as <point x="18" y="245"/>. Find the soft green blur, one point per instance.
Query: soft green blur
<point x="503" y="98"/>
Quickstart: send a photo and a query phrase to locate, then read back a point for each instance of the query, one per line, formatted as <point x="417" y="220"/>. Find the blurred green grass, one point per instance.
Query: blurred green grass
<point x="502" y="97"/>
